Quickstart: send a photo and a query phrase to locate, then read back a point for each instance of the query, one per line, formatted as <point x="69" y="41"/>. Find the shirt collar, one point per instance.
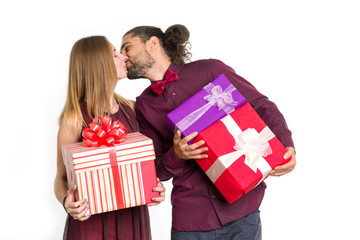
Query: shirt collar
<point x="175" y="68"/>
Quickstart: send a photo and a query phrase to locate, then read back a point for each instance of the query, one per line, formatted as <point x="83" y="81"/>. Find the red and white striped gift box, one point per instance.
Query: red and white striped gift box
<point x="115" y="177"/>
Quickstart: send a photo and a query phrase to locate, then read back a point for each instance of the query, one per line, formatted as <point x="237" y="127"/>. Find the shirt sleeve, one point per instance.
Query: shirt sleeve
<point x="167" y="164"/>
<point x="267" y="110"/>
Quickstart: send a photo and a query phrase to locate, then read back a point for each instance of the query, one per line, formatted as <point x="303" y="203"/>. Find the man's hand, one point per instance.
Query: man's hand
<point x="185" y="151"/>
<point x="287" y="167"/>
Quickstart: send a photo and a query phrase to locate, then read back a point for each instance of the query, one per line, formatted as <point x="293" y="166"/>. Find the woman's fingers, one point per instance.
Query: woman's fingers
<point x="78" y="210"/>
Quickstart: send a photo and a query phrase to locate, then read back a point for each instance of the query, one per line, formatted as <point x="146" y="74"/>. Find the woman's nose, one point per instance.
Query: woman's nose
<point x="123" y="57"/>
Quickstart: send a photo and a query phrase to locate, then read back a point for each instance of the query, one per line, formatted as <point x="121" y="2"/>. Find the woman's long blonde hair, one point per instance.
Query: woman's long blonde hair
<point x="92" y="80"/>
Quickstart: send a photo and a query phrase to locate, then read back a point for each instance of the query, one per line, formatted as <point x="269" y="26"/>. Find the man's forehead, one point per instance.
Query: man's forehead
<point x="129" y="39"/>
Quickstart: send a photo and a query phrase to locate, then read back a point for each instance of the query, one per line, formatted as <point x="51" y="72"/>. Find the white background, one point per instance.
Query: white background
<point x="304" y="55"/>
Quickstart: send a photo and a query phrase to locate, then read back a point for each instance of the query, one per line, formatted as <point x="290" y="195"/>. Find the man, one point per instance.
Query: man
<point x="199" y="211"/>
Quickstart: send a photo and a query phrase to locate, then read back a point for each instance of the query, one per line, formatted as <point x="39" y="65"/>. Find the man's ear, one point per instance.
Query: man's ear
<point x="152" y="44"/>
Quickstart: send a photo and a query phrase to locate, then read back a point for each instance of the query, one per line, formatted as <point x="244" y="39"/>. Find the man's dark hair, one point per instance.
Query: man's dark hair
<point x="174" y="41"/>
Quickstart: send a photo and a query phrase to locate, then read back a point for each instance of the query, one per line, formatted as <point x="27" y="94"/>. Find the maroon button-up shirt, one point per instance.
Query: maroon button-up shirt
<point x="197" y="204"/>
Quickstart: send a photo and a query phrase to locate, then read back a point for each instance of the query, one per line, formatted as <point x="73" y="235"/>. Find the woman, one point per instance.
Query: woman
<point x="95" y="67"/>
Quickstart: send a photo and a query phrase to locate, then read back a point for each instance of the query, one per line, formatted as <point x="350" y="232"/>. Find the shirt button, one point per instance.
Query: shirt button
<point x="213" y="196"/>
<point x="174" y="94"/>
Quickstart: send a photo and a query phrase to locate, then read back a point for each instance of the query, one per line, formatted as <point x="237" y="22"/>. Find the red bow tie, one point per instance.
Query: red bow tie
<point x="158" y="87"/>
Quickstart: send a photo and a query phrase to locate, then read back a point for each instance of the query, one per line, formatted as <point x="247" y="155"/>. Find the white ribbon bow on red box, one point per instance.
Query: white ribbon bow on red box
<point x="250" y="143"/>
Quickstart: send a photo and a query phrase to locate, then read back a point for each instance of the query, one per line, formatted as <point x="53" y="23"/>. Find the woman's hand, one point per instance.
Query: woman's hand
<point x="161" y="189"/>
<point x="185" y="151"/>
<point x="78" y="210"/>
<point x="287" y="167"/>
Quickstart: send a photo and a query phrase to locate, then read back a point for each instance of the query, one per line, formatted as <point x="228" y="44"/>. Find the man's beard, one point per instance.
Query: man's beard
<point x="141" y="64"/>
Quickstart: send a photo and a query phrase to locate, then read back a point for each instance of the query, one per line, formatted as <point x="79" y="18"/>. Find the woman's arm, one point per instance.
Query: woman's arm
<point x="78" y="210"/>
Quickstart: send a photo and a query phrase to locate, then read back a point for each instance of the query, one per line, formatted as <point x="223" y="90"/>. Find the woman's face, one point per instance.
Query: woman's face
<point x="119" y="61"/>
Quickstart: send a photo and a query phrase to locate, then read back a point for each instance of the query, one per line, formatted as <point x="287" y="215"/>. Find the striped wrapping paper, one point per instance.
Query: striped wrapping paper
<point x="115" y="177"/>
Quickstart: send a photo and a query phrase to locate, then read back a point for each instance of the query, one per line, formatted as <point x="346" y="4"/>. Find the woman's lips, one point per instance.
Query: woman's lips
<point x="127" y="64"/>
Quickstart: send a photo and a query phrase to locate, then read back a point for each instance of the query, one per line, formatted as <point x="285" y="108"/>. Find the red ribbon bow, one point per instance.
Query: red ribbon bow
<point x="159" y="86"/>
<point x="107" y="134"/>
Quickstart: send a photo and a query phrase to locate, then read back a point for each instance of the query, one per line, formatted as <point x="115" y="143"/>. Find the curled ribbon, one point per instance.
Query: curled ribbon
<point x="217" y="97"/>
<point x="107" y="134"/>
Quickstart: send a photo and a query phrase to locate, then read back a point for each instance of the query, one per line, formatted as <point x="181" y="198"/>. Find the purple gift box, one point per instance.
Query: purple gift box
<point x="211" y="103"/>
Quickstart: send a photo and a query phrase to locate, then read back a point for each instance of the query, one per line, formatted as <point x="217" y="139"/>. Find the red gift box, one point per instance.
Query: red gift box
<point x="242" y="152"/>
<point x="112" y="177"/>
